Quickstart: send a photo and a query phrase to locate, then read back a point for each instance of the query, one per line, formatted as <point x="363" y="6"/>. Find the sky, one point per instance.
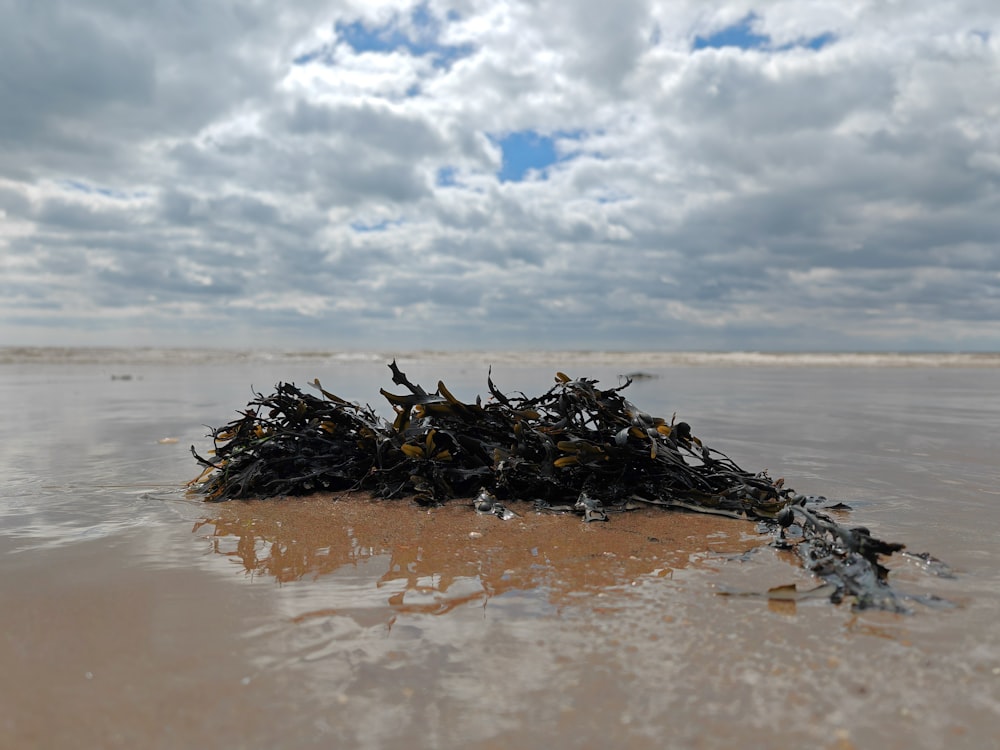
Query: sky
<point x="791" y="175"/>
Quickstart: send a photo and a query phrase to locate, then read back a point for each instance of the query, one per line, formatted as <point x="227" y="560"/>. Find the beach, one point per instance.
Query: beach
<point x="134" y="614"/>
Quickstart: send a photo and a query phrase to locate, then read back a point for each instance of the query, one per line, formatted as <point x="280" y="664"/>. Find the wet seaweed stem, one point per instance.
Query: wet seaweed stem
<point x="576" y="448"/>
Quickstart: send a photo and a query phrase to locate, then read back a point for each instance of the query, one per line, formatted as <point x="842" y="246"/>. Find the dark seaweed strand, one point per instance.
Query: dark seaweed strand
<point x="576" y="446"/>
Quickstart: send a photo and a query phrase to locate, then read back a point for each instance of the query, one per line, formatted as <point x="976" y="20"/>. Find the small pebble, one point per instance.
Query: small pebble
<point x="475" y="535"/>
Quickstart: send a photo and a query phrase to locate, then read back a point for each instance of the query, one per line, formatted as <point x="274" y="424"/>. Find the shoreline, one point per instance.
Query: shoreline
<point x="27" y="355"/>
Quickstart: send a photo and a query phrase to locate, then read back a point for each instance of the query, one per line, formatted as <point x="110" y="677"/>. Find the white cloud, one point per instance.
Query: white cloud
<point x="245" y="167"/>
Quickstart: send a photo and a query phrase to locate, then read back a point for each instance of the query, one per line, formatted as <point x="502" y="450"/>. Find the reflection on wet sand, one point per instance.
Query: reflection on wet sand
<point x="441" y="558"/>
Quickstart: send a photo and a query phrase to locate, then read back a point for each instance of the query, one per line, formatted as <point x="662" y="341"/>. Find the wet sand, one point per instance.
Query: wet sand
<point x="429" y="550"/>
<point x="322" y="621"/>
<point x="98" y="654"/>
<point x="135" y="615"/>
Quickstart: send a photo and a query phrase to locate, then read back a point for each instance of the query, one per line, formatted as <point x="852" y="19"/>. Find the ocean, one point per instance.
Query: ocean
<point x="134" y="614"/>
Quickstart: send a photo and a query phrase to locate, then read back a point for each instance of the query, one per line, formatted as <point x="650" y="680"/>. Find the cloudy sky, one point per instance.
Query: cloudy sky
<point x="637" y="174"/>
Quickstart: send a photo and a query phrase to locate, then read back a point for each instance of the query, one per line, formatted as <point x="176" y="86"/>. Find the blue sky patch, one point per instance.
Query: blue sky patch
<point x="420" y="37"/>
<point x="818" y="42"/>
<point x="379" y="39"/>
<point x="742" y="36"/>
<point x="308" y="57"/>
<point x="739" y="35"/>
<point x="523" y="151"/>
<point x="526" y="150"/>
<point x="446" y="177"/>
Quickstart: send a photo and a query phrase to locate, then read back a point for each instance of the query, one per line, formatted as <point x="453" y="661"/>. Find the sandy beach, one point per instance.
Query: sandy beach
<point x="134" y="614"/>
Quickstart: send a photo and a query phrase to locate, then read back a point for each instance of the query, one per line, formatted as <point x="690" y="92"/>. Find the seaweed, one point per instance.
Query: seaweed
<point x="576" y="448"/>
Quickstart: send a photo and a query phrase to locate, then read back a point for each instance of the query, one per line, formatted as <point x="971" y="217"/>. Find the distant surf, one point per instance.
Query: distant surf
<point x="651" y="359"/>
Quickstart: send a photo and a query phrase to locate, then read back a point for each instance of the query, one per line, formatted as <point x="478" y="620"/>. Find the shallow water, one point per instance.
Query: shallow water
<point x="134" y="615"/>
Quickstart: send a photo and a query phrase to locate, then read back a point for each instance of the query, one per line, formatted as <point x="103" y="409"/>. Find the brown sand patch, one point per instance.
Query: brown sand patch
<point x="429" y="549"/>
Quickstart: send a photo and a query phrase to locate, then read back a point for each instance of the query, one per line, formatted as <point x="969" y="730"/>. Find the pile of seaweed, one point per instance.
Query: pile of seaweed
<point x="576" y="448"/>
